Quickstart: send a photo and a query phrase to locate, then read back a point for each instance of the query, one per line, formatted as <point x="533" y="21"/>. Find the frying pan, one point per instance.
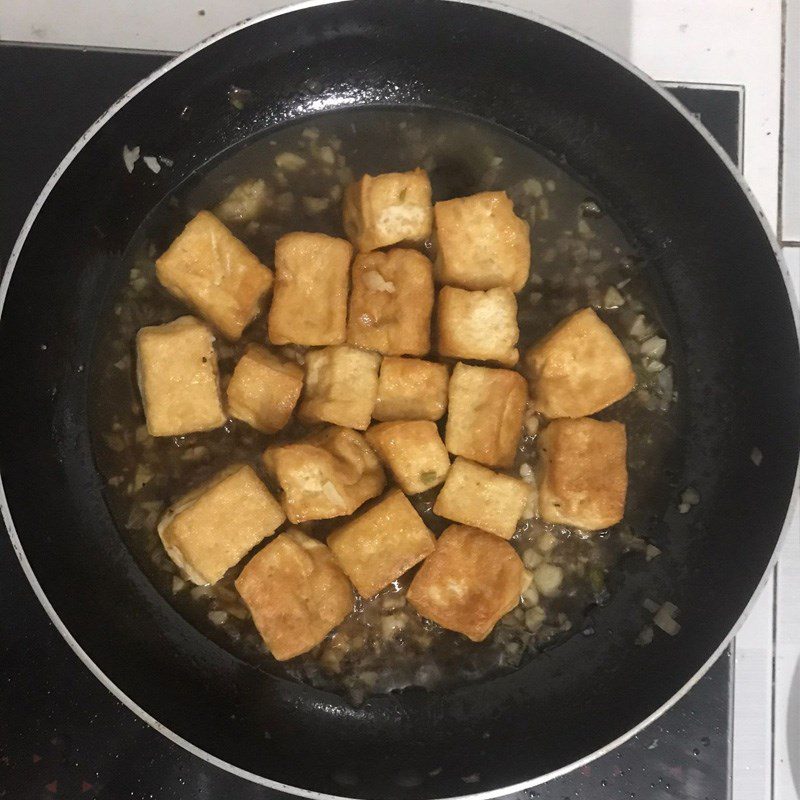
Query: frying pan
<point x="721" y="292"/>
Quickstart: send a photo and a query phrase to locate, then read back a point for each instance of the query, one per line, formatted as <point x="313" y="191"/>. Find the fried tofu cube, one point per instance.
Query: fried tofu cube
<point x="387" y="209"/>
<point x="581" y="473"/>
<point x="486" y="409"/>
<point x="381" y="544"/>
<point x="409" y="388"/>
<point x="471" y="581"/>
<point x="214" y="526"/>
<point x="178" y="378"/>
<point x="479" y="326"/>
<point x="296" y="593"/>
<point x="579" y="368"/>
<point x="209" y="269"/>
<point x="413" y="451"/>
<point x="475" y="495"/>
<point x="309" y="306"/>
<point x="391" y="303"/>
<point x="341" y="386"/>
<point x="482" y="243"/>
<point x="264" y="389"/>
<point x="328" y="474"/>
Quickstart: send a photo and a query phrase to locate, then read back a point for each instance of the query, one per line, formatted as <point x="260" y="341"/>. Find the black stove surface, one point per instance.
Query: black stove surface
<point x="62" y="735"/>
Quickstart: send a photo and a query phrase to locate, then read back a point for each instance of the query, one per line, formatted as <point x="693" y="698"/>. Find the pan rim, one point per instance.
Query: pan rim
<point x="145" y="716"/>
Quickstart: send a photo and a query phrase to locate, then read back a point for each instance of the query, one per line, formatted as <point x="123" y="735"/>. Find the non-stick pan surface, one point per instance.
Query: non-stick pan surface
<point x="721" y="293"/>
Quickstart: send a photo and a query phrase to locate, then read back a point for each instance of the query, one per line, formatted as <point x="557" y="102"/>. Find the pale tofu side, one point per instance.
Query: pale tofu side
<point x="209" y="269"/>
<point x="388" y="209"/>
<point x="579" y="368"/>
<point x="475" y="495"/>
<point x="264" y="389"/>
<point x="176" y="368"/>
<point x="409" y="388"/>
<point x="309" y="304"/>
<point x="212" y="528"/>
<point x="581" y="473"/>
<point x="413" y="451"/>
<point x="482" y="243"/>
<point x="478" y="325"/>
<point x="391" y="303"/>
<point x="328" y="474"/>
<point x="486" y="409"/>
<point x="296" y="593"/>
<point x="472" y="580"/>
<point x="381" y="544"/>
<point x="341" y="386"/>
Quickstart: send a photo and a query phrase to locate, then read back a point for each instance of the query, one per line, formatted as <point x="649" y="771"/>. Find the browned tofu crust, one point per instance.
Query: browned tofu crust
<point x="212" y="528"/>
<point x="579" y="368"/>
<point x="388" y="209"/>
<point x="309" y="306"/>
<point x="471" y="580"/>
<point x="328" y="474"/>
<point x="475" y="495"/>
<point x="176" y="368"/>
<point x="486" y="408"/>
<point x="409" y="388"/>
<point x="209" y="269"/>
<point x="482" y="242"/>
<point x="264" y="389"/>
<point x="413" y="451"/>
<point x="478" y="326"/>
<point x="391" y="303"/>
<point x="581" y="473"/>
<point x="296" y="593"/>
<point x="381" y="544"/>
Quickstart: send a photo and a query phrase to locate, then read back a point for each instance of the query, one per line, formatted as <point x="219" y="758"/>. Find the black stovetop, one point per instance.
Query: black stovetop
<point x="62" y="735"/>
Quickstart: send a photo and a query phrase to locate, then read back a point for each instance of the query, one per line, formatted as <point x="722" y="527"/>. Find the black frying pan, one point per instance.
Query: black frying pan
<point x="722" y="295"/>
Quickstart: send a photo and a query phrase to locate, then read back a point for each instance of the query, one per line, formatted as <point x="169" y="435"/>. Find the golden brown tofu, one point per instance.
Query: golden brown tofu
<point x="581" y="473"/>
<point x="381" y="544"/>
<point x="478" y="326"/>
<point x="579" y="368"/>
<point x="391" y="303"/>
<point x="482" y="243"/>
<point x="477" y="496"/>
<point x="264" y="389"/>
<point x="296" y="593"/>
<point x="413" y="451"/>
<point x="388" y="209"/>
<point x="471" y="580"/>
<point x="209" y="269"/>
<point x="328" y="474"/>
<point x="309" y="306"/>
<point x="484" y="421"/>
<point x="178" y="378"/>
<point x="341" y="386"/>
<point x="409" y="388"/>
<point x="213" y="527"/>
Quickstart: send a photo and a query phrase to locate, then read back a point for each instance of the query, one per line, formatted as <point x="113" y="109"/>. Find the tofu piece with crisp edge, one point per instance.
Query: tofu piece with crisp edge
<point x="482" y="243"/>
<point x="214" y="273"/>
<point x="328" y="474"/>
<point x="410" y="388"/>
<point x="178" y="378"/>
<point x="413" y="451"/>
<point x="471" y="580"/>
<point x="381" y="544"/>
<point x="477" y="496"/>
<point x="388" y="209"/>
<point x="213" y="527"/>
<point x="579" y="368"/>
<point x="581" y="473"/>
<point x="486" y="410"/>
<point x="296" y="593"/>
<point x="309" y="304"/>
